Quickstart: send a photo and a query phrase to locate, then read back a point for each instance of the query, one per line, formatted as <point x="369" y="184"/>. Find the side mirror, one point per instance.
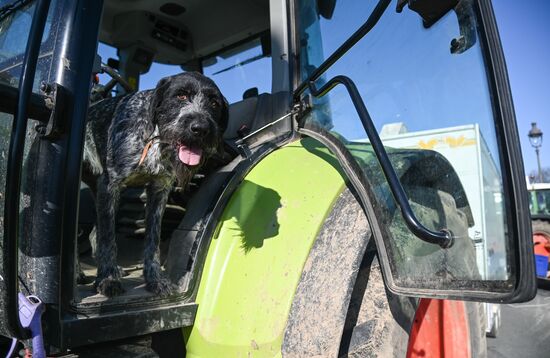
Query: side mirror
<point x="432" y="10"/>
<point x="429" y="10"/>
<point x="326" y="8"/>
<point x="113" y="63"/>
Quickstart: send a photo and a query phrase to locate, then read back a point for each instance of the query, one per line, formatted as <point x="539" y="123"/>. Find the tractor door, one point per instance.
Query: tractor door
<point x="26" y="58"/>
<point x="44" y="85"/>
<point x="413" y="98"/>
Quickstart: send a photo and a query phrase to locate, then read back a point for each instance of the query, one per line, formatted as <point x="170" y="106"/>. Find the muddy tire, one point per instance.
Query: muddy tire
<point x="378" y="322"/>
<point x="341" y="307"/>
<point x="541" y="227"/>
<point x="319" y="309"/>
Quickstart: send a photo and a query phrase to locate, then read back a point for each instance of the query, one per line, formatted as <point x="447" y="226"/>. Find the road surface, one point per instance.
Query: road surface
<point x="525" y="330"/>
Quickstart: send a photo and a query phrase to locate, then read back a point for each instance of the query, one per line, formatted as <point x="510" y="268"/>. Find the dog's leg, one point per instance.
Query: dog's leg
<point x="157" y="196"/>
<point x="108" y="274"/>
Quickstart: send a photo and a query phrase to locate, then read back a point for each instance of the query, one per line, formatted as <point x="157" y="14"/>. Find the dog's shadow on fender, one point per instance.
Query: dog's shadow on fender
<point x="253" y="215"/>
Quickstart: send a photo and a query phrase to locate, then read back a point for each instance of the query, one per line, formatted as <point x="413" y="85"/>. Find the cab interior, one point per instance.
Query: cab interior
<point x="225" y="40"/>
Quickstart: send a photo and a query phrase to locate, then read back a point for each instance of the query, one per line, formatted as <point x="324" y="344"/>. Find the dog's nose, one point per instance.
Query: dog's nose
<point x="199" y="128"/>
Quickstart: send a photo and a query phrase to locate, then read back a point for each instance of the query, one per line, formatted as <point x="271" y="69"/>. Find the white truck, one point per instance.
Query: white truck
<point x="482" y="183"/>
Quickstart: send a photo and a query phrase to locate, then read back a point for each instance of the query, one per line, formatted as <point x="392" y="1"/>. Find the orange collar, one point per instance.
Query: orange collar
<point x="154" y="136"/>
<point x="145" y="151"/>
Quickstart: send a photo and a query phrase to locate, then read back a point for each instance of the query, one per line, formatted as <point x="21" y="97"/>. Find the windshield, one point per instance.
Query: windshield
<point x="240" y="69"/>
<point x="426" y="90"/>
<point x="237" y="70"/>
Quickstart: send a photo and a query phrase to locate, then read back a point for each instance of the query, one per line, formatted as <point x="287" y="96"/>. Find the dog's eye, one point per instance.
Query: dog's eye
<point x="214" y="104"/>
<point x="183" y="97"/>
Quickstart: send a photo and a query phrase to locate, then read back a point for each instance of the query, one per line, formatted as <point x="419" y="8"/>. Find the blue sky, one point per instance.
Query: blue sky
<point x="524" y="29"/>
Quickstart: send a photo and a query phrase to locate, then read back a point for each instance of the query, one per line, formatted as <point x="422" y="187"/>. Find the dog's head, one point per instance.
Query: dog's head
<point x="191" y="115"/>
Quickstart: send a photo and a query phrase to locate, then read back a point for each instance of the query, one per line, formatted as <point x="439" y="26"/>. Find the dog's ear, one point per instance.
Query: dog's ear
<point x="157" y="97"/>
<point x="224" y="119"/>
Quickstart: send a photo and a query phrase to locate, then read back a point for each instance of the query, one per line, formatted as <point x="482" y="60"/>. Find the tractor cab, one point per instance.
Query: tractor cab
<point x="539" y="206"/>
<point x="149" y="42"/>
<point x="322" y="98"/>
<point x="539" y="199"/>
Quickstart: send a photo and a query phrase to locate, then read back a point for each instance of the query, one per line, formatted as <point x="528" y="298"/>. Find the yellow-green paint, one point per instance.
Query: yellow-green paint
<point x="255" y="260"/>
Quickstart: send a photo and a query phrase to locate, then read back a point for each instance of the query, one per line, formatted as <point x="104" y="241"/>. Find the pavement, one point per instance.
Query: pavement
<point x="525" y="330"/>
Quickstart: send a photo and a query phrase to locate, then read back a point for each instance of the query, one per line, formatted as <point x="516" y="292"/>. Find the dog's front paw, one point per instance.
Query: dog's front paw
<point x="82" y="279"/>
<point x="121" y="272"/>
<point x="109" y="287"/>
<point x="162" y="287"/>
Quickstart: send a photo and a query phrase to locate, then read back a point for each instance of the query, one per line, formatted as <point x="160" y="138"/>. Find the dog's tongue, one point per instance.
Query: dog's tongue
<point x="188" y="155"/>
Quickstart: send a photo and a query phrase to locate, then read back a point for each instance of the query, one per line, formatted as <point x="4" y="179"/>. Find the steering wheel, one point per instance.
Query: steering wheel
<point x="101" y="92"/>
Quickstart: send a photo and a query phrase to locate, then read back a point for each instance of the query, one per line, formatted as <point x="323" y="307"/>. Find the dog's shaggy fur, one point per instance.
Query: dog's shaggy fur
<point x="182" y="119"/>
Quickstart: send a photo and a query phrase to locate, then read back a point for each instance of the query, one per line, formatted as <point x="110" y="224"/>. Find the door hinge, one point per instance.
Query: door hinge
<point x="56" y="100"/>
<point x="302" y="107"/>
<point x="297" y="110"/>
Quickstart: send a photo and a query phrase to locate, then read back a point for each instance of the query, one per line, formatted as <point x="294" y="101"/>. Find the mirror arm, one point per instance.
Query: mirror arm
<point x="467" y="25"/>
<point x="443" y="238"/>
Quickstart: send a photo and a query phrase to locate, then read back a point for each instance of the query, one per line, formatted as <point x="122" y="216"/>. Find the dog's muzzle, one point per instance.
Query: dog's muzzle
<point x="190" y="154"/>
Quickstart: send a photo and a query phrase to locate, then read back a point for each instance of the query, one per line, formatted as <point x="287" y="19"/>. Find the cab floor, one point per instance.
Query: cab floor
<point x="130" y="258"/>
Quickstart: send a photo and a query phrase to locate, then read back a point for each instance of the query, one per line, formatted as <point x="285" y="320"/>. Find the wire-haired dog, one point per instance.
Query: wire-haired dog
<point x="153" y="137"/>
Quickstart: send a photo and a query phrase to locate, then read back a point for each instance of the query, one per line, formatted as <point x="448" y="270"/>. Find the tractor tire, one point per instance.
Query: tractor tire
<point x="341" y="264"/>
<point x="378" y="323"/>
<point x="341" y="307"/>
<point x="319" y="309"/>
<point x="384" y="320"/>
<point x="541" y="227"/>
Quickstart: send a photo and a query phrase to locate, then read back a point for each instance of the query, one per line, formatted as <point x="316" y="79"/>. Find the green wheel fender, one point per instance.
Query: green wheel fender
<point x="257" y="255"/>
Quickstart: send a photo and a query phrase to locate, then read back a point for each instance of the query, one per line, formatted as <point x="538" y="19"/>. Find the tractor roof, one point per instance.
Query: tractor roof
<point x="179" y="31"/>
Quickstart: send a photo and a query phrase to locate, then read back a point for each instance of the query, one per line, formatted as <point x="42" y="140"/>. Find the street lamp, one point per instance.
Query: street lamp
<point x="535" y="137"/>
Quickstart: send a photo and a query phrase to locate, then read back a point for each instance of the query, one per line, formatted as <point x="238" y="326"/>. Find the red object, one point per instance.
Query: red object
<point x="440" y="329"/>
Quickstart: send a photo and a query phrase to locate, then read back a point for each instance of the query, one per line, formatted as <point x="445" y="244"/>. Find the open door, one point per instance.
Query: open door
<point x="415" y="103"/>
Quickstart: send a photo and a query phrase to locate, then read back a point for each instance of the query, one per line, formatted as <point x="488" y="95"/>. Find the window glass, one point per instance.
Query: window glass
<point x="234" y="71"/>
<point x="14" y="32"/>
<point x="156" y="72"/>
<point x="432" y="108"/>
<point x="147" y="80"/>
<point x="240" y="69"/>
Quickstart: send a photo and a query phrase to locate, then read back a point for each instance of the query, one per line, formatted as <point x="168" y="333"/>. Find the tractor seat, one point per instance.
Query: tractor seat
<point x="252" y="113"/>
